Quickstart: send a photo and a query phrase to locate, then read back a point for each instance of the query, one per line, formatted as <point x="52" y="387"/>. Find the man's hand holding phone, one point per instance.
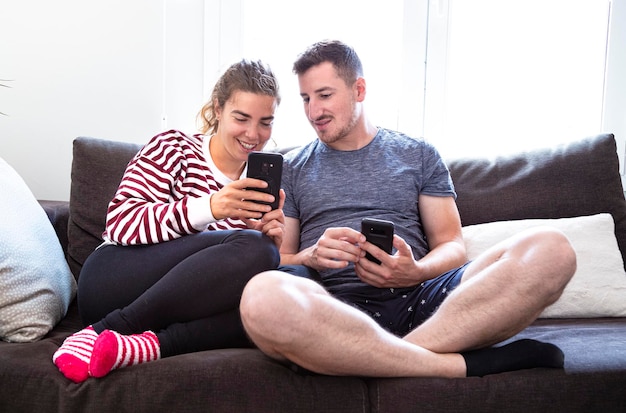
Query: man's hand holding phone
<point x="336" y="248"/>
<point x="395" y="271"/>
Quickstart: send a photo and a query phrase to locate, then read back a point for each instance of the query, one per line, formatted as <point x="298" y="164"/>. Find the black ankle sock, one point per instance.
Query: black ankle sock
<point x="518" y="355"/>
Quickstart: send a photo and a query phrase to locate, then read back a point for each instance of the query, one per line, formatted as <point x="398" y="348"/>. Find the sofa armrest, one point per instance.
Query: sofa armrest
<point x="59" y="214"/>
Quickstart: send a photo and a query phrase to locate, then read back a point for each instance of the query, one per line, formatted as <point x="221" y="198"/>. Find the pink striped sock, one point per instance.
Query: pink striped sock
<point x="113" y="351"/>
<point x="73" y="357"/>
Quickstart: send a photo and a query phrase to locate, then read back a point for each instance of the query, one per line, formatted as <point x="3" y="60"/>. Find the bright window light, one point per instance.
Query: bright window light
<point x="372" y="27"/>
<point x="511" y="75"/>
<point x="475" y="77"/>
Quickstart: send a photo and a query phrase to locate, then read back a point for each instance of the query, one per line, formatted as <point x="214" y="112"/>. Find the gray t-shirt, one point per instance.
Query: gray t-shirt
<point x="330" y="188"/>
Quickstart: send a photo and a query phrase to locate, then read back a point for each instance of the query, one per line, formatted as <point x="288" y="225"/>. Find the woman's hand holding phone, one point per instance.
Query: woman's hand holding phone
<point x="234" y="200"/>
<point x="272" y="223"/>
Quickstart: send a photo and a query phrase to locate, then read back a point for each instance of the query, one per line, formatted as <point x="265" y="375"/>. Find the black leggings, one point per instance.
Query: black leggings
<point x="186" y="290"/>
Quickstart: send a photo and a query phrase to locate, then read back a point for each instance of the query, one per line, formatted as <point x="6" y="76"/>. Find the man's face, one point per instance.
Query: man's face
<point x="329" y="104"/>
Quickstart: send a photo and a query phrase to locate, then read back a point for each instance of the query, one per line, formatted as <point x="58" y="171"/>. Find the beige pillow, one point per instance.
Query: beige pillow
<point x="598" y="288"/>
<point x="36" y="286"/>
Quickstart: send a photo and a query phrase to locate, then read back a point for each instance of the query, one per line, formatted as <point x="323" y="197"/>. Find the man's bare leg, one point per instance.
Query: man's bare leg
<point x="501" y="293"/>
<point x="294" y="318"/>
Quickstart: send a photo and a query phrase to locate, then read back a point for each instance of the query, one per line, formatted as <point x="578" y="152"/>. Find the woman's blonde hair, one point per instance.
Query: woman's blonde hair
<point x="245" y="76"/>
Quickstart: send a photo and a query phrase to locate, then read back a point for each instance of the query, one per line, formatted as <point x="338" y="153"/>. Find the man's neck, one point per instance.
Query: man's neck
<point x="360" y="136"/>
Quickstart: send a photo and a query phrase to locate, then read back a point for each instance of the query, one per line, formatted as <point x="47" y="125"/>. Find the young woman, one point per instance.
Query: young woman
<point x="183" y="237"/>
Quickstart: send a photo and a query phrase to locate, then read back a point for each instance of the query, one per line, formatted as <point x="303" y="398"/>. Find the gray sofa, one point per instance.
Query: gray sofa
<point x="581" y="178"/>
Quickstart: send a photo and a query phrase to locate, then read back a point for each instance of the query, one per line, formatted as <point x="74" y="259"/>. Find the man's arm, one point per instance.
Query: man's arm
<point x="291" y="243"/>
<point x="336" y="248"/>
<point x="442" y="227"/>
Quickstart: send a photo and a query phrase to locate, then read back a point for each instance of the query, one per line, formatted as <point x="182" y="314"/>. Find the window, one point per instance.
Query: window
<point x="370" y="26"/>
<point x="511" y="75"/>
<point x="475" y="77"/>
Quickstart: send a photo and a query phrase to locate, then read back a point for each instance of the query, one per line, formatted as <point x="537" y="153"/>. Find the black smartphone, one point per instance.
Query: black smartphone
<point x="267" y="166"/>
<point x="380" y="233"/>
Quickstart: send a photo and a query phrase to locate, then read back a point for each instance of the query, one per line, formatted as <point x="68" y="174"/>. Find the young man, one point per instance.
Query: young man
<point x="424" y="311"/>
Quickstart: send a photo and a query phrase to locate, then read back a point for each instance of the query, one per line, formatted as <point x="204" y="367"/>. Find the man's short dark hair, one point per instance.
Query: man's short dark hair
<point x="343" y="58"/>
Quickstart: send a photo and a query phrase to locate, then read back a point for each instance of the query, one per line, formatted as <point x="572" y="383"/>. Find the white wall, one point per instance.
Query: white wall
<point x="92" y="68"/>
<point x="125" y="70"/>
<point x="614" y="120"/>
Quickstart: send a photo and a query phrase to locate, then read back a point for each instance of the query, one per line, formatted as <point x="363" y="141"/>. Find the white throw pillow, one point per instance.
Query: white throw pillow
<point x="36" y="285"/>
<point x="598" y="288"/>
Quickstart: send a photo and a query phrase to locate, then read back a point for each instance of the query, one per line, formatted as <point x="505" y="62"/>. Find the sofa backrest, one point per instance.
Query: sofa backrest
<point x="581" y="178"/>
<point x="575" y="179"/>
<point x="97" y="169"/>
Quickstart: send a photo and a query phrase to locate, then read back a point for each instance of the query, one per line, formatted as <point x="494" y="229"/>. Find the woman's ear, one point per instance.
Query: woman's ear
<point x="217" y="109"/>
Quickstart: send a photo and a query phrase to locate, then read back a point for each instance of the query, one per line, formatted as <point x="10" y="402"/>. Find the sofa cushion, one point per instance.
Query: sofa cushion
<point x="598" y="288"/>
<point x="593" y="379"/>
<point x="224" y="380"/>
<point x="97" y="169"/>
<point x="35" y="282"/>
<point x="580" y="178"/>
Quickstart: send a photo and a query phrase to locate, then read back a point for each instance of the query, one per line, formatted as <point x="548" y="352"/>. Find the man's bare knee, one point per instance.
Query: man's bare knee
<point x="565" y="257"/>
<point x="274" y="307"/>
<point x="552" y="251"/>
<point x="256" y="297"/>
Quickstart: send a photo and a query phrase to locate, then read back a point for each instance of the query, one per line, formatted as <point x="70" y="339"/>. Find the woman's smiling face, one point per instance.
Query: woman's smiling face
<point x="245" y="123"/>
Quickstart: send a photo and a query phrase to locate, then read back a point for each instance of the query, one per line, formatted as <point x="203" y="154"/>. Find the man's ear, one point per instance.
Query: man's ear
<point x="359" y="87"/>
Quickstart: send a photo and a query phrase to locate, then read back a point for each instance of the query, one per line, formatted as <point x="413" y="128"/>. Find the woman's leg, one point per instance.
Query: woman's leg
<point x="187" y="290"/>
<point x="205" y="283"/>
<point x="185" y="279"/>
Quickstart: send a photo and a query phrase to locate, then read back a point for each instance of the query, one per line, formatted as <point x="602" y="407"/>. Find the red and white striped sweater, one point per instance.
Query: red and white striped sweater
<point x="152" y="203"/>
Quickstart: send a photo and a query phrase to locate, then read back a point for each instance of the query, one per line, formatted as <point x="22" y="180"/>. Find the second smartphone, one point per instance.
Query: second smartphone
<point x="380" y="233"/>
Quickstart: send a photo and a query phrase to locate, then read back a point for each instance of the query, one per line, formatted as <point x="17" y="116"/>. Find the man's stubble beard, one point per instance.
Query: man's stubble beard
<point x="342" y="133"/>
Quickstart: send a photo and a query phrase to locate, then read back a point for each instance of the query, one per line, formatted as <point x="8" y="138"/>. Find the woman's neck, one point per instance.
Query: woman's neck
<point x="229" y="166"/>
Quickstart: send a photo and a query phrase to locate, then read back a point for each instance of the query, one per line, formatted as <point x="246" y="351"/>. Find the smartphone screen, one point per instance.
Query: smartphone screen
<point x="380" y="233"/>
<point x="267" y="166"/>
